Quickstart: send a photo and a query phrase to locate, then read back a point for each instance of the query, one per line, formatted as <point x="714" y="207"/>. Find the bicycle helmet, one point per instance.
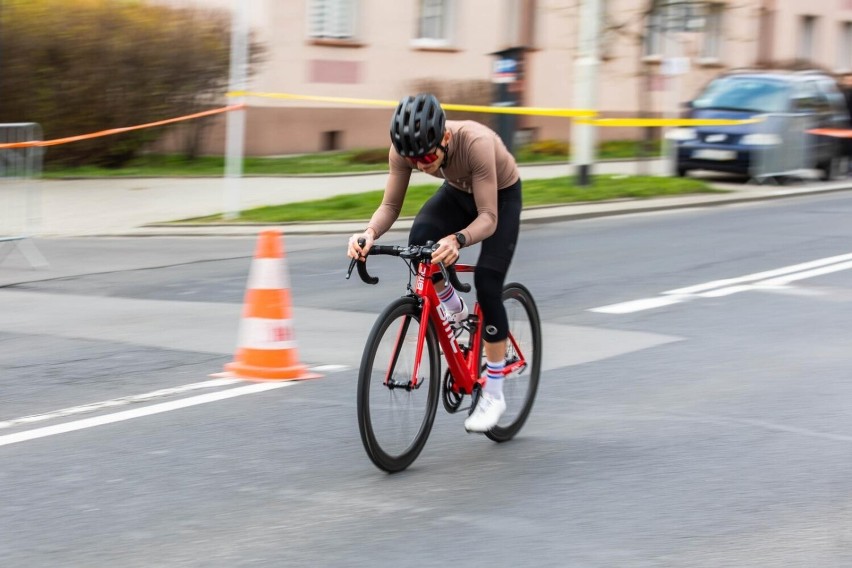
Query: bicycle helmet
<point x="417" y="126"/>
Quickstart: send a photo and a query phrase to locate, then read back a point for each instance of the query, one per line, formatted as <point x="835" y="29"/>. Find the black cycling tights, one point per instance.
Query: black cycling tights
<point x="450" y="210"/>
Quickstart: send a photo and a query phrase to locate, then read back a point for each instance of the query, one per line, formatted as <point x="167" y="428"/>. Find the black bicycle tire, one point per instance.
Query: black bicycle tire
<point x="519" y="292"/>
<point x="381" y="458"/>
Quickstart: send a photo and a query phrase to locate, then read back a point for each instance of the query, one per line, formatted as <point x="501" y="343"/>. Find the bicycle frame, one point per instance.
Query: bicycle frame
<point x="463" y="363"/>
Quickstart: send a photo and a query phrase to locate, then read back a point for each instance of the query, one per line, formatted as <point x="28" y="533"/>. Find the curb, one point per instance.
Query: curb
<point x="531" y="216"/>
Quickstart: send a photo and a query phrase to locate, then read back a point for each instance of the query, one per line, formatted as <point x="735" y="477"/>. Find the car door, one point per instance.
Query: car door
<point x="809" y="100"/>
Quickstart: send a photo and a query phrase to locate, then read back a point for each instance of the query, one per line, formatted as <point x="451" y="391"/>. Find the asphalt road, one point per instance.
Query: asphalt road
<point x="693" y="409"/>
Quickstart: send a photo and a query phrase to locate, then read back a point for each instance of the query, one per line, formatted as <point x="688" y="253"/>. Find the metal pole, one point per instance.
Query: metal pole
<point x="585" y="90"/>
<point x="2" y="53"/>
<point x="668" y="146"/>
<point x="236" y="120"/>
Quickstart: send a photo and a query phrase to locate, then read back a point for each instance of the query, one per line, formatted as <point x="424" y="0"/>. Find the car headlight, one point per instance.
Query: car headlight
<point x="763" y="139"/>
<point x="681" y="134"/>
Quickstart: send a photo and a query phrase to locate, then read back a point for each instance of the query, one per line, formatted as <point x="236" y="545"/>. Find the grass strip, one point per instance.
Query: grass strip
<point x="536" y="192"/>
<point x="343" y="162"/>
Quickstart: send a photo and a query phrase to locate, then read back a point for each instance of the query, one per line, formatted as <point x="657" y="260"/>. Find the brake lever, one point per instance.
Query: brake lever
<point x="362" y="267"/>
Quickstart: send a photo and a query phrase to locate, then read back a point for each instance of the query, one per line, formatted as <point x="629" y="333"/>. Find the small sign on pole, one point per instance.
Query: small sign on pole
<point x="505" y="71"/>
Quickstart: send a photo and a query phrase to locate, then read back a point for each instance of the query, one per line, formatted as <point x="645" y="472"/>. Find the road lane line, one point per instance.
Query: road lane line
<point x="760" y="275"/>
<point x="221" y="380"/>
<point x="784" y="280"/>
<point x="639" y="305"/>
<point x="140" y="412"/>
<point x="718" y="288"/>
<point x="94" y="406"/>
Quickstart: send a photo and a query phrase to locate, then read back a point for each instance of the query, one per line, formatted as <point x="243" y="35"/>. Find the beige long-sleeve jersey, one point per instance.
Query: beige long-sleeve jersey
<point x="477" y="162"/>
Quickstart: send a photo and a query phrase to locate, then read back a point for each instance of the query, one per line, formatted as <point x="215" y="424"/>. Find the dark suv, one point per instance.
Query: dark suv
<point x="783" y="100"/>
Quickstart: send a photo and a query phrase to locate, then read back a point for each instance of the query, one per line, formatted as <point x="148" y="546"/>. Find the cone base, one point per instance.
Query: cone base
<point x="250" y="372"/>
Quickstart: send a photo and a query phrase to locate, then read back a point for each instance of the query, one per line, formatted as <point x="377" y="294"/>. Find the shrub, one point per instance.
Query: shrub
<point x="548" y="148"/>
<point x="81" y="66"/>
<point x="372" y="156"/>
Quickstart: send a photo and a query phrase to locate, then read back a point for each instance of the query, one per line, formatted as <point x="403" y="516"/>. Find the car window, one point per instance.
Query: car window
<point x="836" y="101"/>
<point x="807" y="97"/>
<point x="746" y="94"/>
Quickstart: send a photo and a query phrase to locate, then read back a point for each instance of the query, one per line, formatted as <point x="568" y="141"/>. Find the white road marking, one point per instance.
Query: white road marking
<point x="221" y="380"/>
<point x="639" y="305"/>
<point x="777" y="278"/>
<point x="94" y="406"/>
<point x="140" y="412"/>
<point x="329" y="368"/>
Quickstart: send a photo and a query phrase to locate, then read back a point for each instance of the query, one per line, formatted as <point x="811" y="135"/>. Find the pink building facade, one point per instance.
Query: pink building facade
<point x="649" y="61"/>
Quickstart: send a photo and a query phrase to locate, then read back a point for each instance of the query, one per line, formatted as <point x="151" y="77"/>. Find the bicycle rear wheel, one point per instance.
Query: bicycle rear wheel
<point x="523" y="343"/>
<point x="395" y="412"/>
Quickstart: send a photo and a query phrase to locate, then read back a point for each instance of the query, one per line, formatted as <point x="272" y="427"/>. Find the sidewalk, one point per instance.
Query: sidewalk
<point x="144" y="206"/>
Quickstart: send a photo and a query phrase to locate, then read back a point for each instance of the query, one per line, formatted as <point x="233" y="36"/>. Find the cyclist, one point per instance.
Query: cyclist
<point x="479" y="202"/>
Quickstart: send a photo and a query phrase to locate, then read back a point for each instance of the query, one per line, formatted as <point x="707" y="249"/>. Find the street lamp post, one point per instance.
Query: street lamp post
<point x="585" y="90"/>
<point x="235" y="121"/>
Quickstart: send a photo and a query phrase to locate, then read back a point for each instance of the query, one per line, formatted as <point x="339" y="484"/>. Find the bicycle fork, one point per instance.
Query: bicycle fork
<point x="401" y="334"/>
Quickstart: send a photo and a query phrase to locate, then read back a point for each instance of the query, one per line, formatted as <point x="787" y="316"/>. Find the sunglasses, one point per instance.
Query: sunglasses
<point x="427" y="159"/>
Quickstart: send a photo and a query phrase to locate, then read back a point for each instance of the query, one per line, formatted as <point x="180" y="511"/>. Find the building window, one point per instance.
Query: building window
<point x="807" y="32"/>
<point x="654" y="34"/>
<point x="844" y="59"/>
<point x="332" y="19"/>
<point x="434" y="23"/>
<point x="712" y="47"/>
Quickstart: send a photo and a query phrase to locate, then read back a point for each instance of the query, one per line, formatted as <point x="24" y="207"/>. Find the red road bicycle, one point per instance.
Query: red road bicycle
<point x="400" y="383"/>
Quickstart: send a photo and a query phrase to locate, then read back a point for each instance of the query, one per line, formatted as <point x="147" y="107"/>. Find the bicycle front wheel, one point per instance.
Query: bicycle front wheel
<point x="396" y="409"/>
<point x="522" y="345"/>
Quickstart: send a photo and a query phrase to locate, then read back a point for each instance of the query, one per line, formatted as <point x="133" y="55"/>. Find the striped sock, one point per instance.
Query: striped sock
<point x="450" y="300"/>
<point x="494" y="374"/>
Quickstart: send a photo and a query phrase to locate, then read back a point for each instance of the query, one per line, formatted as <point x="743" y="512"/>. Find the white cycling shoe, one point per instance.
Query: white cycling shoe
<point x="487" y="413"/>
<point x="458" y="317"/>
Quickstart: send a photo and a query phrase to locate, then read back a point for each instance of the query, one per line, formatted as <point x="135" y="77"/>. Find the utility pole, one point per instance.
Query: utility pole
<point x="235" y="125"/>
<point x="585" y="89"/>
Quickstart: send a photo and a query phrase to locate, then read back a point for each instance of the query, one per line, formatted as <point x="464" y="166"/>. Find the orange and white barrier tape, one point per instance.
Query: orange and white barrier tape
<point x="833" y="132"/>
<point x="113" y="131"/>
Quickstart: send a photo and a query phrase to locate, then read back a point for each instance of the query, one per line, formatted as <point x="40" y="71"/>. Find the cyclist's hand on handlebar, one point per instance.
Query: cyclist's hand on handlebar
<point x="355" y="249"/>
<point x="447" y="251"/>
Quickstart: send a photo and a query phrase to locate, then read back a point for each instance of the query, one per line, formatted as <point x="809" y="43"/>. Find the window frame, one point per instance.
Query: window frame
<point x="713" y="34"/>
<point x="844" y="54"/>
<point x="653" y="44"/>
<point x="336" y="28"/>
<point x="806" y="45"/>
<point x="446" y="22"/>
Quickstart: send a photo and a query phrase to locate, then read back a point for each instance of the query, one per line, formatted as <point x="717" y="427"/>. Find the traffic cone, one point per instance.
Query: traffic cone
<point x="267" y="346"/>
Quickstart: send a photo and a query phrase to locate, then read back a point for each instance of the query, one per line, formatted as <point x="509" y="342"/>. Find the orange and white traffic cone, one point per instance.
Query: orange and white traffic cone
<point x="267" y="345"/>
